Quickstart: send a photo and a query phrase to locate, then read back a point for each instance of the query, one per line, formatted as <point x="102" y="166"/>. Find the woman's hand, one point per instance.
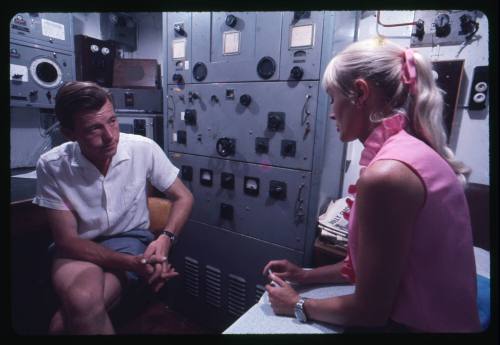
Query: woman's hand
<point x="285" y="270"/>
<point x="281" y="296"/>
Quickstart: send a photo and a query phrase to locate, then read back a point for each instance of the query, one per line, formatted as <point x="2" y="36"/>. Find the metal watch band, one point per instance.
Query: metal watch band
<point x="300" y="313"/>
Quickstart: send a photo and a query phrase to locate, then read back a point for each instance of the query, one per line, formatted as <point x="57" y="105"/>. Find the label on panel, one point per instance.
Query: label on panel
<point x="179" y="49"/>
<point x="302" y="36"/>
<point x="52" y="29"/>
<point x="231" y="42"/>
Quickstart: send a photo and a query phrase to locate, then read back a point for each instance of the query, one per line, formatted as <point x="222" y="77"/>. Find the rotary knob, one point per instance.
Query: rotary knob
<point x="177" y="77"/>
<point x="245" y="100"/>
<point x="296" y="73"/>
<point x="231" y="20"/>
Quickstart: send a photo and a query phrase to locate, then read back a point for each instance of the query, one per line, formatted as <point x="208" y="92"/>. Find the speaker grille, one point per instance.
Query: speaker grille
<point x="191" y="276"/>
<point x="213" y="286"/>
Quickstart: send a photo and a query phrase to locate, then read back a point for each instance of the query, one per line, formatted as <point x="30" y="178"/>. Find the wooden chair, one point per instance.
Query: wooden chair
<point x="159" y="209"/>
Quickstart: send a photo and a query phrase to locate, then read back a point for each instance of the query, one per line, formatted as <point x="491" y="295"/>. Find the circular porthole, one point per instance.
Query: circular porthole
<point x="46" y="73"/>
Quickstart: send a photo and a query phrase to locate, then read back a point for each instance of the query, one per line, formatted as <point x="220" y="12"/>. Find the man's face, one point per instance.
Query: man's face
<point x="97" y="133"/>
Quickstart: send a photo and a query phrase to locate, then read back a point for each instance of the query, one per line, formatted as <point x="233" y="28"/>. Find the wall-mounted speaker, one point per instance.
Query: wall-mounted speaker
<point x="94" y="60"/>
<point x="136" y="73"/>
<point x="479" y="88"/>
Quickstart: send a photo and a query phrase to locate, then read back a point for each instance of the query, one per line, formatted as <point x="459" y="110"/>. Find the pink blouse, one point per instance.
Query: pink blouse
<point x="437" y="291"/>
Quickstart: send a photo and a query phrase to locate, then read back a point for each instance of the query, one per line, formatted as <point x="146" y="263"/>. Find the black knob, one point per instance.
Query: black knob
<point x="199" y="71"/>
<point x="276" y="121"/>
<point x="49" y="95"/>
<point x="177" y="77"/>
<point x="245" y="100"/>
<point x="296" y="73"/>
<point x="266" y="67"/>
<point x="225" y="146"/>
<point x="179" y="28"/>
<point x="231" y="20"/>
<point x="33" y="93"/>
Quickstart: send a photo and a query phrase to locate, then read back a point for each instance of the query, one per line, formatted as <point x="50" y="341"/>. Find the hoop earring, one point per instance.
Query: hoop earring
<point x="376" y="117"/>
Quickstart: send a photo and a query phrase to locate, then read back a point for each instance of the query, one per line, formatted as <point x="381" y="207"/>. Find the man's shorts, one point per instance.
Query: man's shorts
<point x="133" y="242"/>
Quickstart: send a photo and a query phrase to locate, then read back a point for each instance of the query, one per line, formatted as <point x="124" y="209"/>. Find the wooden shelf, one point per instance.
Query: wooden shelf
<point x="325" y="253"/>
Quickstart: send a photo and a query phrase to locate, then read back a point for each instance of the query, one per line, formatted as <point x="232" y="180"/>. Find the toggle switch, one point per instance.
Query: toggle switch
<point x="261" y="145"/>
<point x="181" y="137"/>
<point x="227" y="180"/>
<point x="288" y="148"/>
<point x="226" y="211"/>
<point x="190" y="117"/>
<point x="187" y="173"/>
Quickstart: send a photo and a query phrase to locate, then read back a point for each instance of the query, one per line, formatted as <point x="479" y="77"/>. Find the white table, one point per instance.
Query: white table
<point x="260" y="319"/>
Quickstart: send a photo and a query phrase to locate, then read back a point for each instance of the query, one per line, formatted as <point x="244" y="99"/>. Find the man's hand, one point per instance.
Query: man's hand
<point x="156" y="255"/>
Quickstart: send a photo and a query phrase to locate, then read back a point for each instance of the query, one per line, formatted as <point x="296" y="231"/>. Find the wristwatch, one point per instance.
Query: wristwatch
<point x="300" y="312"/>
<point x="169" y="235"/>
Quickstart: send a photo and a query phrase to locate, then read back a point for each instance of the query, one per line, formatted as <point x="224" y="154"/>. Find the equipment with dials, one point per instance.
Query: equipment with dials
<point x="243" y="46"/>
<point x="241" y="111"/>
<point x="41" y="57"/>
<point x="94" y="60"/>
<point x="139" y="111"/>
<point x="443" y="27"/>
<point x="53" y="30"/>
<point x="37" y="73"/>
<point x="244" y="121"/>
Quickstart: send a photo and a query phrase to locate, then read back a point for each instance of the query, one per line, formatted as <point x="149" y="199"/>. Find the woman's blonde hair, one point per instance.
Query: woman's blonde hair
<point x="381" y="62"/>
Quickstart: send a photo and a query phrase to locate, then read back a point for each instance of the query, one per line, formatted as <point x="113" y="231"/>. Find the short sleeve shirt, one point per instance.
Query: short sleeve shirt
<point x="104" y="205"/>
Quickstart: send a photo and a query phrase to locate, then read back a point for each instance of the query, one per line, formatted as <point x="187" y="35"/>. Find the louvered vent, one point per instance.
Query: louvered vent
<point x="236" y="295"/>
<point x="259" y="291"/>
<point x="191" y="276"/>
<point x="213" y="286"/>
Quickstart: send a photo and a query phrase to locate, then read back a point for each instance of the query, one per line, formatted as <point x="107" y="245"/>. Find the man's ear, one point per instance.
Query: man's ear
<point x="362" y="91"/>
<point x="68" y="133"/>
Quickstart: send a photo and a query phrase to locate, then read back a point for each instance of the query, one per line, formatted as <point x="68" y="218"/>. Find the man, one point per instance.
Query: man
<point x="94" y="191"/>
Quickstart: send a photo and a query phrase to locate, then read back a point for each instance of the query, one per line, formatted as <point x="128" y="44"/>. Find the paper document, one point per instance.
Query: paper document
<point x="31" y="174"/>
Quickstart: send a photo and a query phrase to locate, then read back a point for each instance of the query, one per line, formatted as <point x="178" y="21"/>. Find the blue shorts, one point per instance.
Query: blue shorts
<point x="133" y="242"/>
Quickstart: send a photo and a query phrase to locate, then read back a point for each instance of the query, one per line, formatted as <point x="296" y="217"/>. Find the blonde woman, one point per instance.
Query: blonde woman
<point x="410" y="240"/>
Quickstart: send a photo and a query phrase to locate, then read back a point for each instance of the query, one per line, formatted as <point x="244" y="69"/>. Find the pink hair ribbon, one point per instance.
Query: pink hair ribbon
<point x="409" y="75"/>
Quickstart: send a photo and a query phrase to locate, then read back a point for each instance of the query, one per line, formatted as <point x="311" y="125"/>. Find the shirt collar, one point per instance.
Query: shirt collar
<point x="387" y="128"/>
<point x="79" y="160"/>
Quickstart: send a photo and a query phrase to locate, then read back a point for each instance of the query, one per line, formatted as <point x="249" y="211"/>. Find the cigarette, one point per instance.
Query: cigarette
<point x="269" y="272"/>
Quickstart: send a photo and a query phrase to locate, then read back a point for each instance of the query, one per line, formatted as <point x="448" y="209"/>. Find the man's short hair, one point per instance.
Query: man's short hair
<point x="79" y="97"/>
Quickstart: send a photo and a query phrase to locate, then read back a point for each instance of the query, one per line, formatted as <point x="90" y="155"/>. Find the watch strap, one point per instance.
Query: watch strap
<point x="169" y="234"/>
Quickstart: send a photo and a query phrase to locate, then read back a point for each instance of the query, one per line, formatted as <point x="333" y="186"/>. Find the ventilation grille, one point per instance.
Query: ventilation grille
<point x="259" y="291"/>
<point x="191" y="276"/>
<point x="236" y="295"/>
<point x="213" y="286"/>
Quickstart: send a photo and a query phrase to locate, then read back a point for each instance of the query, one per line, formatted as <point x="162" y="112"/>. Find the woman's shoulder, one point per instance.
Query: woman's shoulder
<point x="390" y="177"/>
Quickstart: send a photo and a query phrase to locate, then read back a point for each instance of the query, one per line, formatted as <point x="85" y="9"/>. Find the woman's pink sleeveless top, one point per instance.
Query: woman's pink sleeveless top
<point x="437" y="292"/>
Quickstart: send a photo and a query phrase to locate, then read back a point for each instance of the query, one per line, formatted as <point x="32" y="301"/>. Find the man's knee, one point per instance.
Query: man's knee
<point x="78" y="301"/>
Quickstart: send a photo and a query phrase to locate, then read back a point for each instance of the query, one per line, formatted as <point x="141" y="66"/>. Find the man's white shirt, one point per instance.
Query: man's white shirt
<point x="104" y="205"/>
